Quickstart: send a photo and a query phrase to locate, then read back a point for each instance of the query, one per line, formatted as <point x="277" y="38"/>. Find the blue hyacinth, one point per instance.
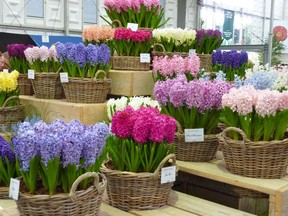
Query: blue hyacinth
<point x="261" y="80"/>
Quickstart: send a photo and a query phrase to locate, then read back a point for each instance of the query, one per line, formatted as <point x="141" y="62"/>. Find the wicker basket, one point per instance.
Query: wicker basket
<point x="10" y="115"/>
<point x="25" y="85"/>
<point x="84" y="202"/>
<point x="205" y="61"/>
<point x="164" y="52"/>
<point x="141" y="191"/>
<point x="4" y="193"/>
<point x="87" y="90"/>
<point x="263" y="159"/>
<point x="129" y="63"/>
<point x="47" y="86"/>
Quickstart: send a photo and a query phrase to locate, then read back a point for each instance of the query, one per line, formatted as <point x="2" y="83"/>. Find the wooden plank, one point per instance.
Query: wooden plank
<point x="216" y="170"/>
<point x="107" y="210"/>
<point x="163" y="211"/>
<point x="50" y="110"/>
<point x="131" y="83"/>
<point x="8" y="208"/>
<point x="281" y="207"/>
<point x="200" y="206"/>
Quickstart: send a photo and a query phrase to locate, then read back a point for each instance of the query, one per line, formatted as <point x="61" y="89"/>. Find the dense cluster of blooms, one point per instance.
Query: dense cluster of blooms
<point x="147" y="13"/>
<point x="230" y="62"/>
<point x="207" y="41"/>
<point x="135" y="102"/>
<point x="175" y="39"/>
<point x="79" y="60"/>
<point x="68" y="146"/>
<point x="17" y="58"/>
<point x="165" y="67"/>
<point x="131" y="43"/>
<point x="42" y="59"/>
<point x="180" y="98"/>
<point x="261" y="114"/>
<point x="96" y="34"/>
<point x="8" y="86"/>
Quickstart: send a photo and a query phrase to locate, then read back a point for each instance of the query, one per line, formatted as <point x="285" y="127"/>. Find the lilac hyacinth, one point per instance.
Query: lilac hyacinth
<point x="6" y="151"/>
<point x="104" y="54"/>
<point x="61" y="51"/>
<point x="92" y="54"/>
<point x="80" y="54"/>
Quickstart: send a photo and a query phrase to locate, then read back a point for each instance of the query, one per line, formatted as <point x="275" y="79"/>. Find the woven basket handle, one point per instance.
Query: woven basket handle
<point x="118" y="22"/>
<point x="179" y="129"/>
<point x="160" y="45"/>
<point x="99" y="72"/>
<point x="224" y="136"/>
<point x="59" y="69"/>
<point x="11" y="98"/>
<point x="95" y="175"/>
<point x="163" y="162"/>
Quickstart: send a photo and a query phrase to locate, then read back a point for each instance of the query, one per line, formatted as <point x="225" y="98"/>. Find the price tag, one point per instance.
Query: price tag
<point x="194" y="135"/>
<point x="6" y="70"/>
<point x="168" y="174"/>
<point x="191" y="52"/>
<point x="145" y="57"/>
<point x="64" y="77"/>
<point x="14" y="188"/>
<point x="31" y="74"/>
<point x="132" y="26"/>
<point x="45" y="38"/>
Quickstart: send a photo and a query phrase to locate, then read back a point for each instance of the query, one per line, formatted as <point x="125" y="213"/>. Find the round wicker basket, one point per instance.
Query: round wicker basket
<point x="84" y="202"/>
<point x="25" y="85"/>
<point x="163" y="51"/>
<point x="4" y="192"/>
<point x="262" y="159"/>
<point x="141" y="191"/>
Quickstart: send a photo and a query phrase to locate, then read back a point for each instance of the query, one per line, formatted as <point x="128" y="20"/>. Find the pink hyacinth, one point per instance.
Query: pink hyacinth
<point x="192" y="64"/>
<point x="53" y="53"/>
<point x="283" y="101"/>
<point x="32" y="53"/>
<point x="44" y="53"/>
<point x="267" y="103"/>
<point x="124" y="5"/>
<point x="137" y="36"/>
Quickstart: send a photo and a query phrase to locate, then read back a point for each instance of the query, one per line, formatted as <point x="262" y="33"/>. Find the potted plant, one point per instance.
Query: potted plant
<point x="55" y="159"/>
<point x="11" y="111"/>
<point x="87" y="69"/>
<point x="141" y="144"/>
<point x="45" y="63"/>
<point x="257" y="123"/>
<point x="196" y="105"/>
<point x="18" y="62"/>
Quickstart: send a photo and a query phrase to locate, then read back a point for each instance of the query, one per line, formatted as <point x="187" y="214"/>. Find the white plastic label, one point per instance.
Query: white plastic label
<point x="45" y="38"/>
<point x="6" y="70"/>
<point x="194" y="135"/>
<point x="14" y="188"/>
<point x="64" y="77"/>
<point x="168" y="174"/>
<point x="132" y="26"/>
<point x="31" y="74"/>
<point x="191" y="52"/>
<point x="145" y="57"/>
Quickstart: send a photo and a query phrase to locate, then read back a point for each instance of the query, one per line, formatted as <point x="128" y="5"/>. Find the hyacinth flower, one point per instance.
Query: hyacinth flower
<point x="165" y="67"/>
<point x="135" y="102"/>
<point x="148" y="13"/>
<point x="78" y="60"/>
<point x="58" y="153"/>
<point x="194" y="104"/>
<point x="230" y="62"/>
<point x="261" y="114"/>
<point x="207" y="41"/>
<point x="8" y="166"/>
<point x="17" y="60"/>
<point x="141" y="139"/>
<point x="131" y="43"/>
<point x="8" y="87"/>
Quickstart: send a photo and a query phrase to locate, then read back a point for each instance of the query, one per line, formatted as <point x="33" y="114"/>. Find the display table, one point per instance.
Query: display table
<point x="50" y="110"/>
<point x="131" y="83"/>
<point x="277" y="189"/>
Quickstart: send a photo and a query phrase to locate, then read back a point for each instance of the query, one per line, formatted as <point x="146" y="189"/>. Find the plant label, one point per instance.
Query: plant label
<point x="6" y="70"/>
<point x="31" y="74"/>
<point x="168" y="174"/>
<point x="14" y="188"/>
<point x="64" y="77"/>
<point x="145" y="58"/>
<point x="132" y="26"/>
<point x="191" y="52"/>
<point x="194" y="135"/>
<point x="45" y="38"/>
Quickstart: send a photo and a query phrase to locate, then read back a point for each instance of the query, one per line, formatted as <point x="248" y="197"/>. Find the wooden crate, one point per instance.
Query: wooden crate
<point x="49" y="110"/>
<point x="131" y="83"/>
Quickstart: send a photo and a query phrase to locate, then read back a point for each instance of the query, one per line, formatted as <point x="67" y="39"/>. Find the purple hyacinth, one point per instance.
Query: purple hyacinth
<point x="200" y="34"/>
<point x="218" y="34"/>
<point x="6" y="151"/>
<point x="104" y="54"/>
<point x="61" y="51"/>
<point x="236" y="60"/>
<point x="17" y="50"/>
<point x="92" y="54"/>
<point x="243" y="57"/>
<point x="227" y="58"/>
<point x="80" y="55"/>
<point x="216" y="57"/>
